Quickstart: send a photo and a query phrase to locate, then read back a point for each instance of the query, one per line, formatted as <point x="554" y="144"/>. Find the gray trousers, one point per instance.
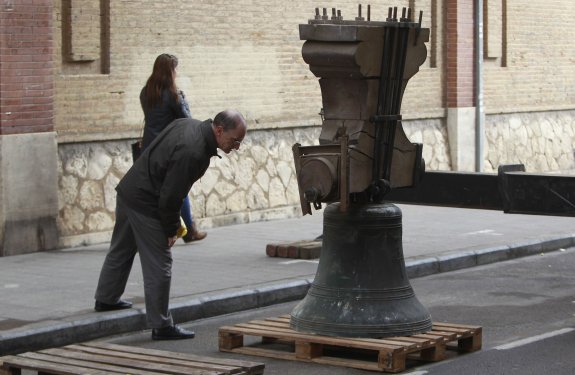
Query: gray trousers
<point x="135" y="232"/>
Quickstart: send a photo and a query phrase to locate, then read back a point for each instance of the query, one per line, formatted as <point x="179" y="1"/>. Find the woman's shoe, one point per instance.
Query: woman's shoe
<point x="194" y="234"/>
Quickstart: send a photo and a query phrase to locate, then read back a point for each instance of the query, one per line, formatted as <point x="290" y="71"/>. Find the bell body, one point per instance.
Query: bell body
<point x="361" y="287"/>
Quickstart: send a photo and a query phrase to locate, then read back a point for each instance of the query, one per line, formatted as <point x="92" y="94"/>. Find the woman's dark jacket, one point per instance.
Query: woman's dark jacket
<point x="163" y="175"/>
<point x="167" y="110"/>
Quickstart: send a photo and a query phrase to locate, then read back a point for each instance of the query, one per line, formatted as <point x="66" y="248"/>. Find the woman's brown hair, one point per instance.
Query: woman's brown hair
<point x="162" y="78"/>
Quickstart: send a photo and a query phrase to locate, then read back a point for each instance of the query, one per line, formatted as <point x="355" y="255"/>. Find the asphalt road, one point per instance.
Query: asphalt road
<point x="525" y="306"/>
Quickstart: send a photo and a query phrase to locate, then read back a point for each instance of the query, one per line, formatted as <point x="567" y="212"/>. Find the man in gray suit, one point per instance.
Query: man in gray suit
<point x="149" y="198"/>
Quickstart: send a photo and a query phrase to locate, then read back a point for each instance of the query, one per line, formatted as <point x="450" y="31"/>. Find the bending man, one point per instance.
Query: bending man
<point x="149" y="198"/>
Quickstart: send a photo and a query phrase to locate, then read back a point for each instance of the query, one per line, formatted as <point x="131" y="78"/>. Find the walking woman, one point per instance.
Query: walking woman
<point x="162" y="103"/>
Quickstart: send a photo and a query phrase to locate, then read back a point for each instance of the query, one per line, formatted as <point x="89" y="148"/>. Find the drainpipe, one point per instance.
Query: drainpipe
<point x="479" y="110"/>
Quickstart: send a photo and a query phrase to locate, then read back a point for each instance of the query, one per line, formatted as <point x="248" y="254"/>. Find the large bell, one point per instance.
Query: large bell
<point x="361" y="287"/>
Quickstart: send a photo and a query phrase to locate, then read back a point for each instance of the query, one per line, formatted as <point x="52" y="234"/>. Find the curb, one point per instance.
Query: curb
<point x="92" y="326"/>
<point x="465" y="259"/>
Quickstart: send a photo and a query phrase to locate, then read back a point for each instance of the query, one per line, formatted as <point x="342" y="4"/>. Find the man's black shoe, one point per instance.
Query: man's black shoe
<point x="172" y="333"/>
<point x="120" y="305"/>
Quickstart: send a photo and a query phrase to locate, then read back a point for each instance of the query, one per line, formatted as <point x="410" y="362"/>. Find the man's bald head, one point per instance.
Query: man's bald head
<point x="230" y="129"/>
<point x="229" y="119"/>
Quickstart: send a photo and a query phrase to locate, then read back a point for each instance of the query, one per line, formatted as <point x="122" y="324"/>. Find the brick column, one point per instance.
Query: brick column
<point x="28" y="148"/>
<point x="459" y="89"/>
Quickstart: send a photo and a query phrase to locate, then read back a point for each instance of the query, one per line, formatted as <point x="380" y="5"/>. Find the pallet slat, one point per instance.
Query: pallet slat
<point x="389" y="353"/>
<point x="251" y="368"/>
<point x="453" y="325"/>
<point x="93" y="366"/>
<point x="307" y="249"/>
<point x="140" y="363"/>
<point x="102" y="358"/>
<point x="293" y="335"/>
<point x="155" y="359"/>
<point x="280" y="326"/>
<point x="15" y="363"/>
<point x="137" y="361"/>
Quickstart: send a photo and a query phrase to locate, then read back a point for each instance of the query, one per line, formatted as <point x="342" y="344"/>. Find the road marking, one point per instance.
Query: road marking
<point x="299" y="261"/>
<point x="530" y="340"/>
<point x="11" y="286"/>
<point x="491" y="232"/>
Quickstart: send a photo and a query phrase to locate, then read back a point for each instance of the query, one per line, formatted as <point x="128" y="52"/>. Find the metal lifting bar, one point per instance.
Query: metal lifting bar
<point x="389" y="100"/>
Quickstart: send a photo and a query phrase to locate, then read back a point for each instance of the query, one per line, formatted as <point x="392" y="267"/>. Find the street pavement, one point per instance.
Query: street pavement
<point x="46" y="299"/>
<point x="524" y="306"/>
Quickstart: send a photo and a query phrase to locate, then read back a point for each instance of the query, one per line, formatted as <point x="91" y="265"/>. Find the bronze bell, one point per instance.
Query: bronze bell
<point x="361" y="287"/>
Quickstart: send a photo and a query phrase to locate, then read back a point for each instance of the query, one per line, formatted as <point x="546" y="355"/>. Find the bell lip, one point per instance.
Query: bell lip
<point x="366" y="209"/>
<point x="361" y="331"/>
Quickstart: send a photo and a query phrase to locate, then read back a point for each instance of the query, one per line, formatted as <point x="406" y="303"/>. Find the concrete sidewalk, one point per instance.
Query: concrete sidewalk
<point x="46" y="299"/>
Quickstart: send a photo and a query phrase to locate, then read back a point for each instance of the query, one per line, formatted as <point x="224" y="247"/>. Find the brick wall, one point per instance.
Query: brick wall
<point x="240" y="54"/>
<point x="26" y="71"/>
<point x="536" y="67"/>
<point x="248" y="55"/>
<point x="459" y="46"/>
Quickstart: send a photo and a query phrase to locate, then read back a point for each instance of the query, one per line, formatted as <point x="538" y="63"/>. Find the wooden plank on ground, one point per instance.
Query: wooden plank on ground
<point x="103" y="358"/>
<point x="138" y="363"/>
<point x="306" y="249"/>
<point x="87" y="365"/>
<point x="252" y="368"/>
<point x="15" y="363"/>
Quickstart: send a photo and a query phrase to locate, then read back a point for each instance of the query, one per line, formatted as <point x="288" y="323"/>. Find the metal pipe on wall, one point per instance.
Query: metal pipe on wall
<point x="479" y="110"/>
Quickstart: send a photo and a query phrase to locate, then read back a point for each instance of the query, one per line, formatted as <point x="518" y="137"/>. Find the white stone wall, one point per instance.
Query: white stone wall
<point x="256" y="183"/>
<point x="543" y="142"/>
<point x="88" y="174"/>
<point x="432" y="133"/>
<point x="259" y="183"/>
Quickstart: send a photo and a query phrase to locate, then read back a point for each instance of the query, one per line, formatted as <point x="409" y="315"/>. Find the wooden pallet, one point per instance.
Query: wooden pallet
<point x="103" y="358"/>
<point x="384" y="355"/>
<point x="297" y="250"/>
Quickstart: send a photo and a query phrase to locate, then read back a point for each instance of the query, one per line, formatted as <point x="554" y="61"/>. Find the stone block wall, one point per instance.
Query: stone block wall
<point x="88" y="174"/>
<point x="256" y="183"/>
<point x="542" y="141"/>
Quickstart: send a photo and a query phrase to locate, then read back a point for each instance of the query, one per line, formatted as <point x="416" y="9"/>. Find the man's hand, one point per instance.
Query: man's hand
<point x="172" y="241"/>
